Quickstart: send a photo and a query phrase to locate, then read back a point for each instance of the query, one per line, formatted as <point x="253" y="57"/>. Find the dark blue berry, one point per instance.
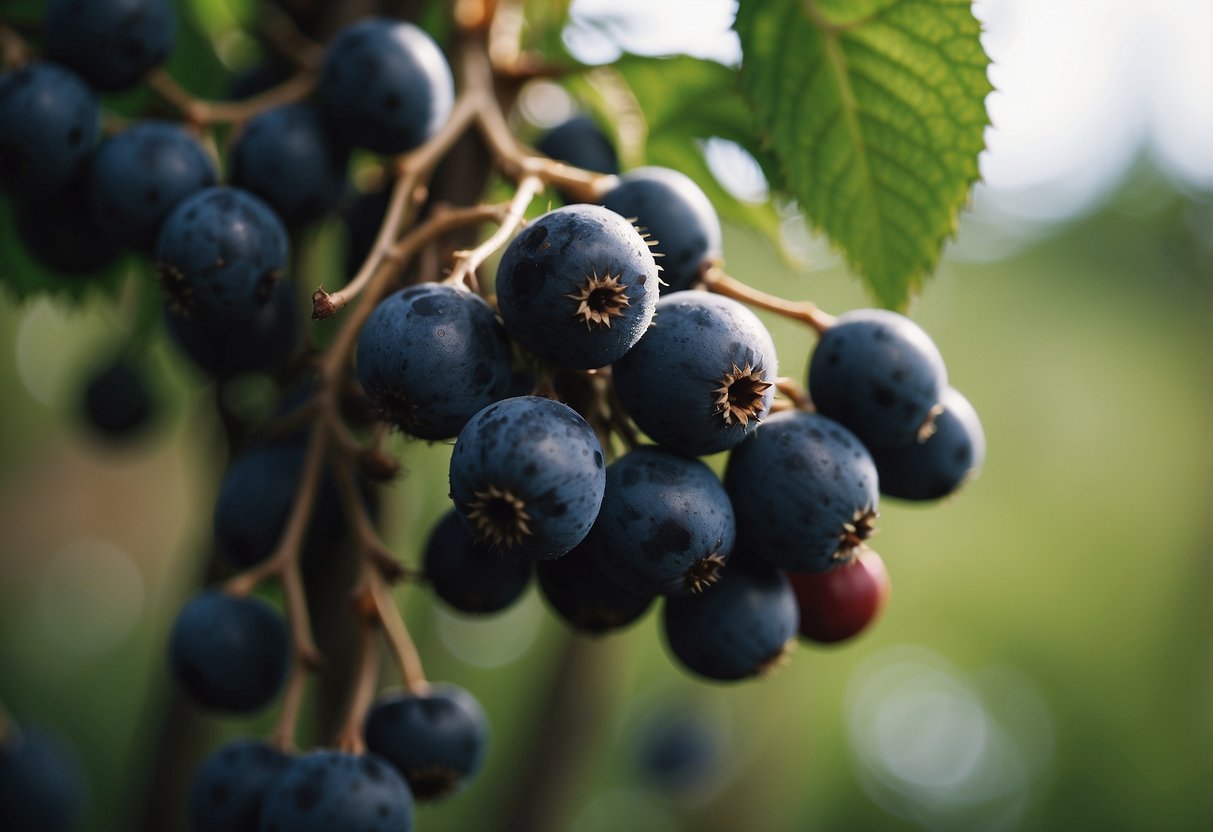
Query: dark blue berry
<point x="112" y="43"/>
<point x="577" y="287"/>
<point x="219" y="254"/>
<point x="879" y="374"/>
<point x="138" y="175"/>
<point x="117" y="401"/>
<point x="430" y="356"/>
<point x="325" y="791"/>
<point x="804" y="489"/>
<point x="224" y="348"/>
<point x="703" y="376"/>
<point x="230" y="654"/>
<point x="580" y="143"/>
<point x="672" y="209"/>
<point x="737" y="629"/>
<point x="62" y="233"/>
<point x="229" y="787"/>
<point x="386" y="85"/>
<point x="256" y="498"/>
<point x="49" y="121"/>
<point x="436" y="739"/>
<point x="680" y="751"/>
<point x="939" y="466"/>
<point x="42" y="787"/>
<point x="527" y="474"/>
<point x="584" y="597"/>
<point x="470" y="576"/>
<point x="289" y="157"/>
<point x="666" y="525"/>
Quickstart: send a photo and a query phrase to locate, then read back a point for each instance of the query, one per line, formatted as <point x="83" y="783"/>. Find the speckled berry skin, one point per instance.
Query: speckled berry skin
<point x="938" y="467"/>
<point x="437" y="739"/>
<point x="138" y="175"/>
<point x="878" y="373"/>
<point x="230" y="654"/>
<point x="229" y="787"/>
<point x="325" y="791"/>
<point x="112" y="43"/>
<point x="669" y="206"/>
<point x="42" y="787"/>
<point x="795" y="485"/>
<point x="386" y="85"/>
<point x="468" y="576"/>
<point x="219" y="254"/>
<point x="290" y="157"/>
<point x="223" y="348"/>
<point x="545" y="455"/>
<point x="671" y="382"/>
<point x="738" y="628"/>
<point x="662" y="515"/>
<point x="430" y="356"/>
<point x="584" y="597"/>
<point x="49" y="121"/>
<point x="545" y="272"/>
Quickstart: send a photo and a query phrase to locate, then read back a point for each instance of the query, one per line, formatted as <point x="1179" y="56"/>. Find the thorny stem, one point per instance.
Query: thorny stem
<point x="204" y="113"/>
<point x="715" y="280"/>
<point x="470" y="260"/>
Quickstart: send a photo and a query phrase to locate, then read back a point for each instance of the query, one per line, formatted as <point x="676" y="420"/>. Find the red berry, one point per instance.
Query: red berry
<point x="839" y="604"/>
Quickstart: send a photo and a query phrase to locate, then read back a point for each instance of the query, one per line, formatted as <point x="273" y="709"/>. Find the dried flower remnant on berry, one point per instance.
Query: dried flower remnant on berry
<point x="740" y="396"/>
<point x="599" y="299"/>
<point x="499" y="517"/>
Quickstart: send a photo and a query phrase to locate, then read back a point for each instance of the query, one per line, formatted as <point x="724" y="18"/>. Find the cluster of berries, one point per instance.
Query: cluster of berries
<point x="545" y="385"/>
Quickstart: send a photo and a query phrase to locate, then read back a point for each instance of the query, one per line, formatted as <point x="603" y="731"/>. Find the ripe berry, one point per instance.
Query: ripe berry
<point x="580" y="142"/>
<point x="836" y="605"/>
<point x="224" y="348"/>
<point x="577" y="287"/>
<point x="117" y="401"/>
<point x="677" y="215"/>
<point x="527" y="474"/>
<point x="666" y="525"/>
<point x="680" y="752"/>
<point x="584" y="597"/>
<point x="42" y="787"/>
<point x="62" y="234"/>
<point x="436" y="739"/>
<point x="230" y="654"/>
<point x="138" y="175"/>
<point x="329" y="790"/>
<point x="112" y="43"/>
<point x="49" y="120"/>
<point x="739" y="628"/>
<point x="386" y="85"/>
<point x="939" y="466"/>
<point x="805" y="492"/>
<point x="702" y="378"/>
<point x="430" y="356"/>
<point x="289" y="157"/>
<point x="219" y="254"/>
<point x="470" y="576"/>
<point x="228" y="789"/>
<point x="880" y="375"/>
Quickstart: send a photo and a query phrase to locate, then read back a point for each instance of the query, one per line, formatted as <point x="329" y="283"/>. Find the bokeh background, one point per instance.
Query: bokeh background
<point x="1045" y="660"/>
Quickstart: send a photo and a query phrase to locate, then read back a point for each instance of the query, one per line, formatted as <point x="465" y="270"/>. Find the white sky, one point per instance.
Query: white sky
<point x="1082" y="86"/>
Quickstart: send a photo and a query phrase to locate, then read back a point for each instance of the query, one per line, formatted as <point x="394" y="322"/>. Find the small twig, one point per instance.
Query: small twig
<point x="797" y="395"/>
<point x="415" y="167"/>
<point x="715" y="280"/>
<point x="404" y="651"/>
<point x="203" y="113"/>
<point x="351" y="737"/>
<point x="283" y="737"/>
<point x="284" y="37"/>
<point x="370" y="545"/>
<point x="14" y="51"/>
<point x="468" y="261"/>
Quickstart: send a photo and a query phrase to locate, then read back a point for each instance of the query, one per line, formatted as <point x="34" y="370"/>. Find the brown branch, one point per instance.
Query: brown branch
<point x="715" y="280"/>
<point x="285" y="38"/>
<point x="468" y="261"/>
<point x="14" y="51"/>
<point x="795" y="393"/>
<point x="350" y="737"/>
<point x="203" y="113"/>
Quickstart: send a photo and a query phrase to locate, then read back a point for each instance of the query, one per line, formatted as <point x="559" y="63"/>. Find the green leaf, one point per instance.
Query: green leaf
<point x="876" y="111"/>
<point x="672" y="105"/>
